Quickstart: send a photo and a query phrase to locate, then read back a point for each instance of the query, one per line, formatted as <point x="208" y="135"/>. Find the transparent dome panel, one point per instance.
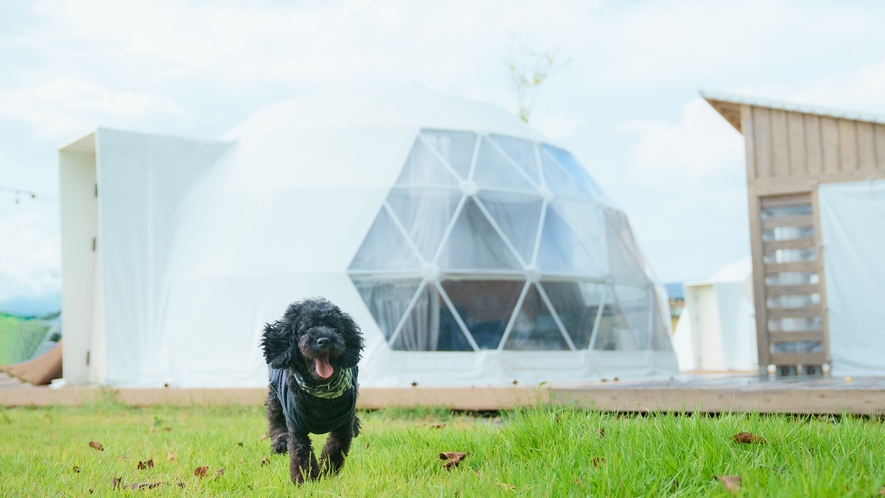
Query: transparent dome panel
<point x="636" y="305"/>
<point x="424" y="169"/>
<point x="534" y="328"/>
<point x="522" y="152"/>
<point x="624" y="258"/>
<point x="614" y="332"/>
<point x="474" y="244"/>
<point x="456" y="147"/>
<point x="387" y="299"/>
<point x="495" y="170"/>
<point x="485" y="306"/>
<point x="577" y="304"/>
<point x="575" y="171"/>
<point x="517" y="215"/>
<point x="424" y="213"/>
<point x="430" y="326"/>
<point x="660" y="334"/>
<point x="385" y="248"/>
<point x="573" y="240"/>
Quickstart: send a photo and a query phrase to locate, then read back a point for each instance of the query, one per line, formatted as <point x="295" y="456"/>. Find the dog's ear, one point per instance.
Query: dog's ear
<point x="277" y="344"/>
<point x="353" y="340"/>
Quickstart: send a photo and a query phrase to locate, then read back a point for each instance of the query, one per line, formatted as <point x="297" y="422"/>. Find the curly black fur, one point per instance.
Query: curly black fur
<point x="310" y="329"/>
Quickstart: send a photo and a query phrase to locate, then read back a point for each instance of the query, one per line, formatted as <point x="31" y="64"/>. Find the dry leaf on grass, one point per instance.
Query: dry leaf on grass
<point x="144" y="485"/>
<point x="115" y="482"/>
<point x="731" y="483"/>
<point x="170" y="456"/>
<point x="602" y="432"/>
<point x="504" y="485"/>
<point x="219" y="472"/>
<point x="437" y="426"/>
<point x="201" y="472"/>
<point x="452" y="458"/>
<point x="748" y="438"/>
<point x="146" y="465"/>
<point x="265" y="462"/>
<point x="597" y="461"/>
<point x="96" y="445"/>
<point x="882" y="491"/>
<point x="240" y="443"/>
<point x="367" y="445"/>
<point x="264" y="436"/>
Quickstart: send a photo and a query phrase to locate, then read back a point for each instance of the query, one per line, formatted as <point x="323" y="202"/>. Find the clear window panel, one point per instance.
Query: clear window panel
<point x="485" y="306"/>
<point x="385" y="248"/>
<point x="614" y="333"/>
<point x="430" y="326"/>
<point x="784" y="211"/>
<point x="456" y="147"/>
<point x="534" y="328"/>
<point x="787" y="233"/>
<point x="634" y="303"/>
<point x="517" y="215"/>
<point x="424" y="213"/>
<point x="792" y="278"/>
<point x="573" y="239"/>
<point x="790" y="255"/>
<point x="475" y="245"/>
<point x="577" y="304"/>
<point x="796" y="347"/>
<point x="795" y="324"/>
<point x="493" y="170"/>
<point x="522" y="152"/>
<point x="793" y="301"/>
<point x="387" y="299"/>
<point x="582" y="180"/>
<point x="660" y="338"/>
<point x="423" y="168"/>
<point x="624" y="258"/>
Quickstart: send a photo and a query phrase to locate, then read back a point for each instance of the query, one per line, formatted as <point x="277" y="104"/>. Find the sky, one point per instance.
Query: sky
<point x="626" y="103"/>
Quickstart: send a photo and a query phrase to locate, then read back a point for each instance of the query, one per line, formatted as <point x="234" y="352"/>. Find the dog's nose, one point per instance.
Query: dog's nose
<point x="323" y="342"/>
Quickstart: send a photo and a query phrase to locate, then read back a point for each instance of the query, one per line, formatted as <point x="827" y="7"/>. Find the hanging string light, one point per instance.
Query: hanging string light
<point x="33" y="195"/>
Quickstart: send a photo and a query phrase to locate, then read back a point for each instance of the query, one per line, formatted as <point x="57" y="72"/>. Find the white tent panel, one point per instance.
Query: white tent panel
<point x="852" y="217"/>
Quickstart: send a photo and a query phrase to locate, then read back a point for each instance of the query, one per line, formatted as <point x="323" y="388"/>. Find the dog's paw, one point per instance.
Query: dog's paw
<point x="280" y="445"/>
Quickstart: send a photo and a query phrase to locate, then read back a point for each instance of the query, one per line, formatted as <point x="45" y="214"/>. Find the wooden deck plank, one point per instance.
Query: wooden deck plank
<point x="803" y="243"/>
<point x="788" y="221"/>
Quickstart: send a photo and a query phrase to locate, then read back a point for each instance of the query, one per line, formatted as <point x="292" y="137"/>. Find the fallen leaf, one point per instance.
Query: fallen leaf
<point x="452" y="458"/>
<point x="265" y="461"/>
<point x="240" y="443"/>
<point x="180" y="483"/>
<point x="167" y="429"/>
<point x="367" y="445"/>
<point x="153" y="430"/>
<point x="116" y="482"/>
<point x="577" y="482"/>
<point x="201" y="472"/>
<point x="96" y="445"/>
<point x="504" y="485"/>
<point x="437" y="426"/>
<point x="170" y="456"/>
<point x="597" y="461"/>
<point x="602" y="432"/>
<point x="219" y="472"/>
<point x="731" y="483"/>
<point x="76" y="469"/>
<point x="478" y="473"/>
<point x="264" y="436"/>
<point x="145" y="485"/>
<point x="146" y="465"/>
<point x="748" y="438"/>
<point x="882" y="491"/>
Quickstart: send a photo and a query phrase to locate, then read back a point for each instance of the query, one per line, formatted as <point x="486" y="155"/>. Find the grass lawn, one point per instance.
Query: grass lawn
<point x="537" y="452"/>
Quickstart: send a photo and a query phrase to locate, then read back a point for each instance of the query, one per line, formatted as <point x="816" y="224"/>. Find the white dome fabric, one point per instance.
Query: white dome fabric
<point x="469" y="251"/>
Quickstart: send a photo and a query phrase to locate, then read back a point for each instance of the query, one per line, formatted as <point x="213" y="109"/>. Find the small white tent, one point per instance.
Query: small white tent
<point x="717" y="329"/>
<point x="470" y="251"/>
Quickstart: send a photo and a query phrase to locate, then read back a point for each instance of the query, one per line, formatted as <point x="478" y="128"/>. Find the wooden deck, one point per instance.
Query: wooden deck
<point x="708" y="394"/>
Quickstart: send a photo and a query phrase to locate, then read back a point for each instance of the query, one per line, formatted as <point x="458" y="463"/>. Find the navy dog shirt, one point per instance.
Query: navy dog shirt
<point x="297" y="417"/>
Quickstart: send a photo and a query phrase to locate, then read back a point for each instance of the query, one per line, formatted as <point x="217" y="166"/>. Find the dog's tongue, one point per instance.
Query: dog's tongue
<point x="323" y="368"/>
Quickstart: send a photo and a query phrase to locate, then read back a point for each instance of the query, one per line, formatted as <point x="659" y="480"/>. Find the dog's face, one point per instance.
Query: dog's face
<point x="314" y="338"/>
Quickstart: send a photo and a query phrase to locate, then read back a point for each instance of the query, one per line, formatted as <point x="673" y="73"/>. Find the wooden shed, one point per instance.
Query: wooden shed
<point x="791" y="150"/>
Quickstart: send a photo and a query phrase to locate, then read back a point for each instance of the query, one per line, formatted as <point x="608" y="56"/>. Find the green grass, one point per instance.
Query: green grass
<point x="19" y="338"/>
<point x="540" y="452"/>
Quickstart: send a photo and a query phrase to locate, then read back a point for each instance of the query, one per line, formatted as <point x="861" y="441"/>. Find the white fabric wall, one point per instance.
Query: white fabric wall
<point x="852" y="217"/>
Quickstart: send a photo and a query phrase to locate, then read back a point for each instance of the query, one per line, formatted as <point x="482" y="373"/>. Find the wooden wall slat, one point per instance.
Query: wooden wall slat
<point x="799" y="359"/>
<point x="762" y="139"/>
<point x="796" y="131"/>
<point x="880" y="146"/>
<point x="798" y="335"/>
<point x="809" y="312"/>
<point x="866" y="147"/>
<point x="813" y="144"/>
<point x="780" y="146"/>
<point x="793" y="266"/>
<point x="791" y="290"/>
<point x="803" y="243"/>
<point x="749" y="142"/>
<point x="847" y="145"/>
<point x="829" y="131"/>
<point x="786" y="200"/>
<point x="788" y="221"/>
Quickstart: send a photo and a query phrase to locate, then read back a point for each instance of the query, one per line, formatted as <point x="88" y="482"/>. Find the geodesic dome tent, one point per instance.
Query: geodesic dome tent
<point x="470" y="251"/>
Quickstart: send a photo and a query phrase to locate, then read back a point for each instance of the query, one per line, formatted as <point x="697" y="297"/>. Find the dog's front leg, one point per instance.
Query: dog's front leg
<point x="278" y="430"/>
<point x="336" y="448"/>
<point x="302" y="461"/>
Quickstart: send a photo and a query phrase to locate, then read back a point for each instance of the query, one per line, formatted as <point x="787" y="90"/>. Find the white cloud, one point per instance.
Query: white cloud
<point x="556" y="126"/>
<point x="30" y="255"/>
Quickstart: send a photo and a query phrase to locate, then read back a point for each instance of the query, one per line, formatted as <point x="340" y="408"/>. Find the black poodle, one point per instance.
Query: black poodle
<point x="312" y="355"/>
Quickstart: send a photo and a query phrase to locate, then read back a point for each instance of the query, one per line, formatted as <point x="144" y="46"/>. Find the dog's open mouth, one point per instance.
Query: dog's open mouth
<point x="323" y="367"/>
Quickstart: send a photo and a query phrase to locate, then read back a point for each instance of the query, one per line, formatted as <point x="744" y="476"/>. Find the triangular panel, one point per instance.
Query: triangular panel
<point x="660" y="334"/>
<point x="423" y="168"/>
<point x="573" y="239"/>
<point x="475" y="245"/>
<point x="386" y="299"/>
<point x="517" y="215"/>
<point x="456" y="147"/>
<point x="385" y="248"/>
<point x="565" y="176"/>
<point x="534" y="328"/>
<point x="430" y="326"/>
<point x="624" y="258"/>
<point x="485" y="306"/>
<point x="425" y="213"/>
<point x="614" y="333"/>
<point x="577" y="304"/>
<point x="636" y="308"/>
<point x="522" y="152"/>
<point x="493" y="170"/>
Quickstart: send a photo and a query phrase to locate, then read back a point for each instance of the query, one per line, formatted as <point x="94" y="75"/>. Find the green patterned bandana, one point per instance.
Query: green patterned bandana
<point x="336" y="387"/>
